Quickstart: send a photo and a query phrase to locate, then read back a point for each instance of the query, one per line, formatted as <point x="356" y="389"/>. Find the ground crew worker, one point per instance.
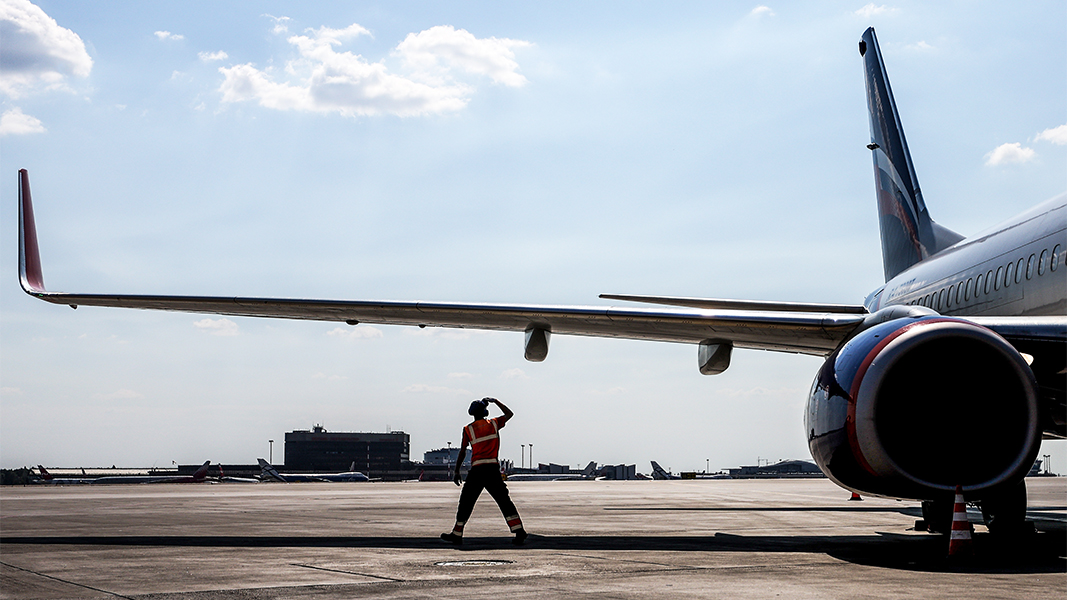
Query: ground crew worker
<point x="484" y="439"/>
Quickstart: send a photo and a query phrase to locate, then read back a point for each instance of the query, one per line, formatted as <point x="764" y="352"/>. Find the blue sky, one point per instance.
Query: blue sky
<point x="528" y="153"/>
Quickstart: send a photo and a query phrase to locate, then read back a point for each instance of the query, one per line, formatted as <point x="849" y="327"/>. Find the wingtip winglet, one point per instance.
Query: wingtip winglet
<point x="30" y="276"/>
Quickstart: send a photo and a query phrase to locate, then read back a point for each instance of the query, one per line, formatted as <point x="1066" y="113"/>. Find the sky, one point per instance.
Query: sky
<point x="534" y="153"/>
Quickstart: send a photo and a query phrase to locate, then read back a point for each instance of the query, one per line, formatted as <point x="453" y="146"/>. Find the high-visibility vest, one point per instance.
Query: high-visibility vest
<point x="484" y="440"/>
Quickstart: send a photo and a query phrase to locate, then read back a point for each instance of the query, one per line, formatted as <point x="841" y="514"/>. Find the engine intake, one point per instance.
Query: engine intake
<point x="914" y="406"/>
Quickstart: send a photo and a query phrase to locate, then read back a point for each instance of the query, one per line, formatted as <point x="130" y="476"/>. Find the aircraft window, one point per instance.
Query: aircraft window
<point x="959" y="292"/>
<point x="948" y="296"/>
<point x="1055" y="258"/>
<point x="1019" y="270"/>
<point x="1030" y="266"/>
<point x="996" y="282"/>
<point x="1041" y="262"/>
<point x="1008" y="274"/>
<point x="967" y="289"/>
<point x="941" y="299"/>
<point x="978" y="285"/>
<point x="988" y="281"/>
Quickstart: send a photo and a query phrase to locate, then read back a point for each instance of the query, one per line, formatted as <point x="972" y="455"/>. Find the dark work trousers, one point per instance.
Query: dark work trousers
<point x="487" y="477"/>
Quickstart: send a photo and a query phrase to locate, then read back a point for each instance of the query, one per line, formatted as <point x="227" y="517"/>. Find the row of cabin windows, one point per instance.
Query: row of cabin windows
<point x="992" y="281"/>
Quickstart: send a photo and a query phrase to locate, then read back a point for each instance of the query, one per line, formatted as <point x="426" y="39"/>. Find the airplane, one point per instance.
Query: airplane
<point x="659" y="472"/>
<point x="951" y="373"/>
<point x="269" y="472"/>
<point x="589" y="472"/>
<point x="197" y="477"/>
<point x="48" y="478"/>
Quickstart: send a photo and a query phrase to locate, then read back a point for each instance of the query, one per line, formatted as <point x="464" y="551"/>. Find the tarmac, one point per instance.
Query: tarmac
<point x="590" y="539"/>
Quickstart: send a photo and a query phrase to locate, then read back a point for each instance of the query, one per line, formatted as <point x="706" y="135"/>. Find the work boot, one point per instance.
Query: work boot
<point x="451" y="537"/>
<point x="520" y="537"/>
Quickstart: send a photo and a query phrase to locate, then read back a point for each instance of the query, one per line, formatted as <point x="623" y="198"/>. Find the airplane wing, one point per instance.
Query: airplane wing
<point x="815" y="329"/>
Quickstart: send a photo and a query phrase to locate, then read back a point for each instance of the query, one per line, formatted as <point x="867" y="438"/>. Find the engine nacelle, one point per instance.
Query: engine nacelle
<point x="912" y="407"/>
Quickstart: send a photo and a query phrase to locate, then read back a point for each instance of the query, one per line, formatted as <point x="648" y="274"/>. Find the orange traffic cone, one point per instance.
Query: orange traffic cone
<point x="855" y="498"/>
<point x="959" y="540"/>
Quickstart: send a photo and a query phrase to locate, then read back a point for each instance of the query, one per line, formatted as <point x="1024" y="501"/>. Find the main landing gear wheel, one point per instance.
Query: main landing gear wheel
<point x="1005" y="512"/>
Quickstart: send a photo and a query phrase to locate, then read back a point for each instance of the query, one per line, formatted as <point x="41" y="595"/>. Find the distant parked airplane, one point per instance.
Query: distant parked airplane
<point x="47" y="477"/>
<point x="197" y="477"/>
<point x="589" y="472"/>
<point x="659" y="472"/>
<point x="267" y="471"/>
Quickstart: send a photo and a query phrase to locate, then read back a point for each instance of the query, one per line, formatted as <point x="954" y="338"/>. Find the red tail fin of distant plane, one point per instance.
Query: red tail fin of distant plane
<point x="45" y="475"/>
<point x="201" y="473"/>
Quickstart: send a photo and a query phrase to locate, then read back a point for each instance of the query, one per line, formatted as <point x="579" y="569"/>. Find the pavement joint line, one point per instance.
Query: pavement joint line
<point x="347" y="572"/>
<point x="696" y="568"/>
<point x="82" y="585"/>
<point x="643" y="562"/>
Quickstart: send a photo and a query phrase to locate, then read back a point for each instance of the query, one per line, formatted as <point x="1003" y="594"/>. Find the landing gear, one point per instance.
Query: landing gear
<point x="1005" y="512"/>
<point x="937" y="515"/>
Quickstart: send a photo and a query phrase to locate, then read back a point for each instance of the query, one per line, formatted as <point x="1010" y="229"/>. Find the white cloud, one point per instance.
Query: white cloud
<point x="1009" y="153"/>
<point x="213" y="56"/>
<point x="435" y="52"/>
<point x="279" y="24"/>
<point x="445" y="333"/>
<point x="329" y="81"/>
<point x="1056" y="135"/>
<point x="14" y="122"/>
<point x="870" y="10"/>
<point x="223" y="327"/>
<point x="421" y="388"/>
<point x="515" y="373"/>
<point x="37" y="51"/>
<point x="122" y="394"/>
<point x="460" y="376"/>
<point x="761" y="10"/>
<point x="920" y="45"/>
<point x="355" y="333"/>
<point x="166" y="35"/>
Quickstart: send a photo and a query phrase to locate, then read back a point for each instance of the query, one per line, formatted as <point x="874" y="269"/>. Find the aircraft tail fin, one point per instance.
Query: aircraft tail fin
<point x="590" y="469"/>
<point x="659" y="472"/>
<point x="45" y="475"/>
<point x="267" y="471"/>
<point x="201" y="473"/>
<point x="908" y="233"/>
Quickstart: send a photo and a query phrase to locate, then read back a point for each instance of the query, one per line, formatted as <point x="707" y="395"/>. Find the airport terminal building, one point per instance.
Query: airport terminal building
<point x="317" y="450"/>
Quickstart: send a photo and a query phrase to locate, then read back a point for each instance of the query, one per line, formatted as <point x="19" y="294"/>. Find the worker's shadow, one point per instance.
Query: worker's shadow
<point x="1037" y="553"/>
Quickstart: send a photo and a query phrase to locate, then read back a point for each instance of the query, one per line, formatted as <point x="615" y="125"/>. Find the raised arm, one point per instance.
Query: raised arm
<point x="507" y="411"/>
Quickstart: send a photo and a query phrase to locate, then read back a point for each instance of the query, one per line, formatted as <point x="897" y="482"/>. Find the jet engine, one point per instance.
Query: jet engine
<point x="912" y="407"/>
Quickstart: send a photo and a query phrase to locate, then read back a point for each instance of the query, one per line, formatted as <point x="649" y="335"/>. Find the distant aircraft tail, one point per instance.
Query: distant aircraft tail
<point x="659" y="472"/>
<point x="589" y="470"/>
<point x="201" y="473"/>
<point x="45" y="475"/>
<point x="267" y="471"/>
<point x="908" y="233"/>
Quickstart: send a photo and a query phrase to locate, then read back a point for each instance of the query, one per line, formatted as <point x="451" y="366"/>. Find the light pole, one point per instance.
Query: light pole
<point x="448" y="459"/>
<point x="707" y="465"/>
<point x="270" y="453"/>
<point x="522" y="464"/>
<point x="531" y="456"/>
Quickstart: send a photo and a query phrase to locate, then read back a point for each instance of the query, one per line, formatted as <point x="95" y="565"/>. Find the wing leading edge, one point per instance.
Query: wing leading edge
<point x="796" y="329"/>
